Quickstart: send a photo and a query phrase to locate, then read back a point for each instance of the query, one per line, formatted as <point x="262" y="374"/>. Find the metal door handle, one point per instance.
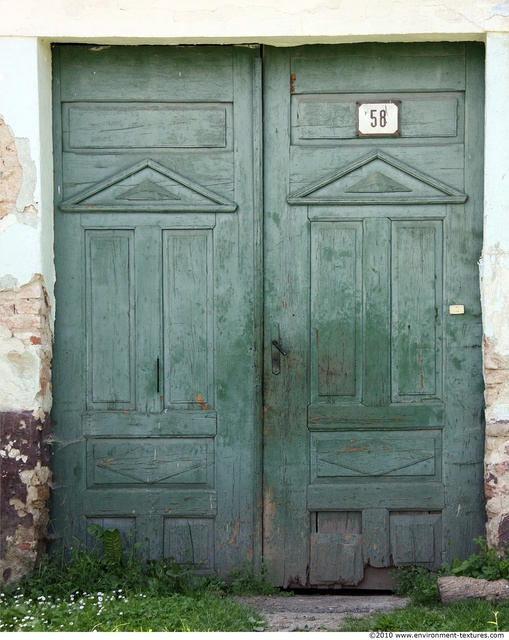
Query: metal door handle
<point x="278" y="350"/>
<point x="279" y="347"/>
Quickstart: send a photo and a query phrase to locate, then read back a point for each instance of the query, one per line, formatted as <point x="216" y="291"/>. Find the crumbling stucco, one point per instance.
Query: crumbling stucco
<point x="25" y="400"/>
<point x="494" y="270"/>
<point x="25" y="348"/>
<point x="496" y="375"/>
<point x="25" y="487"/>
<point x="10" y="171"/>
<point x="17" y="180"/>
<point x="25" y="360"/>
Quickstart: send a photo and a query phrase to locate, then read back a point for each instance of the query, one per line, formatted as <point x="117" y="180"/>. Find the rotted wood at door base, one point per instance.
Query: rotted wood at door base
<point x="372" y="396"/>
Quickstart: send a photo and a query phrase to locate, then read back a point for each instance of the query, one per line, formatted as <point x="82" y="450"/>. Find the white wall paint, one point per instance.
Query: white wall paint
<point x="495" y="259"/>
<point x="25" y="106"/>
<point x="271" y="21"/>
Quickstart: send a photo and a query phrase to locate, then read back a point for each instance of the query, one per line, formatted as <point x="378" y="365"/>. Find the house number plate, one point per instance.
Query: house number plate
<point x="378" y="118"/>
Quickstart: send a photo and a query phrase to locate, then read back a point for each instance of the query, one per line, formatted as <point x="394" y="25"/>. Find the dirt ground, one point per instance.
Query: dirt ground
<point x="317" y="612"/>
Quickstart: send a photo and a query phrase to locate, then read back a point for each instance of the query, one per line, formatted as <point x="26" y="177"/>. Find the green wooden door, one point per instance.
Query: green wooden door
<point x="373" y="419"/>
<point x="372" y="434"/>
<point x="156" y="373"/>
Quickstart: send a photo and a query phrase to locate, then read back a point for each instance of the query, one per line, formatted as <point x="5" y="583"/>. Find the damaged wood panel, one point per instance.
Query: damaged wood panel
<point x="135" y="423"/>
<point x="143" y="501"/>
<point x="336" y="559"/>
<point x="376" y="293"/>
<point x="190" y="542"/>
<point x="322" y="417"/>
<point x="161" y="461"/>
<point x="188" y="316"/>
<point x="333" y="117"/>
<point x="110" y="297"/>
<point x="376" y="537"/>
<point x="158" y="125"/>
<point x="336" y="310"/>
<point x="415" y="539"/>
<point x="464" y="517"/>
<point x="361" y="453"/>
<point x="417" y="309"/>
<point x="387" y="495"/>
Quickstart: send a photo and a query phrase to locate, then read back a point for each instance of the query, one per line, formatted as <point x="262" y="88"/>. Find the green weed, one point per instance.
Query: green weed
<point x="417" y="583"/>
<point x="245" y="581"/>
<point x="120" y="612"/>
<point x="471" y="615"/>
<point x="488" y="564"/>
<point x="420" y="585"/>
<point x="82" y="590"/>
<point x="112" y="543"/>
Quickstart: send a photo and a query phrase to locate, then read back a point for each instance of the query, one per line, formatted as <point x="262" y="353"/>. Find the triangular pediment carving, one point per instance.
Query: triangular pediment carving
<point x="149" y="191"/>
<point x="377" y="178"/>
<point x="148" y="187"/>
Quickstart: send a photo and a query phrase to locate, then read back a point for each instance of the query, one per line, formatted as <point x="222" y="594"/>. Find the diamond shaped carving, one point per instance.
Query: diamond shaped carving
<point x="375" y="456"/>
<point x="148" y="187"/>
<point x="377" y="178"/>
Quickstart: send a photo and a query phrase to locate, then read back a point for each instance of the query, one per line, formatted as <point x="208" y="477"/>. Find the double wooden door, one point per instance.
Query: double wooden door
<point x="362" y="317"/>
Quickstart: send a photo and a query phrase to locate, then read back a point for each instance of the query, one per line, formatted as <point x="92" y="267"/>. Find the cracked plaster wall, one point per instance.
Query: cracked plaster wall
<point x="494" y="273"/>
<point x="25" y="352"/>
<point x="279" y="23"/>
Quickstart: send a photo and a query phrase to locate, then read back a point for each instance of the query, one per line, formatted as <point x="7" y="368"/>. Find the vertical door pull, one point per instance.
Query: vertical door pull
<point x="279" y="347"/>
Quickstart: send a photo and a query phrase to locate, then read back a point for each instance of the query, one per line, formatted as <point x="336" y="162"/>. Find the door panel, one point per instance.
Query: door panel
<point x="368" y="240"/>
<point x="372" y="418"/>
<point x="158" y="319"/>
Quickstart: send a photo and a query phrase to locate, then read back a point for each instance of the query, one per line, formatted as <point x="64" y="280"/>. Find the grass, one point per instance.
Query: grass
<point x="471" y="615"/>
<point x="89" y="592"/>
<point x="119" y="612"/>
<point x="425" y="613"/>
<point x="85" y="593"/>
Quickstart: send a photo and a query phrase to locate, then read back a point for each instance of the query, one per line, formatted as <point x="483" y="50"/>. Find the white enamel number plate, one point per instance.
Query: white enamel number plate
<point x="378" y="118"/>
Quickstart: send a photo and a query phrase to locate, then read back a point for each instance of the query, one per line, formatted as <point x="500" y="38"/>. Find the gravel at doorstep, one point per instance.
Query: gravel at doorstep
<point x="318" y="612"/>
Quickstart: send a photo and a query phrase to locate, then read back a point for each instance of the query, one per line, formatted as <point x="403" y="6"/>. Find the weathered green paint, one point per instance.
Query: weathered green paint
<point x="376" y="411"/>
<point x="156" y="376"/>
<point x="372" y="427"/>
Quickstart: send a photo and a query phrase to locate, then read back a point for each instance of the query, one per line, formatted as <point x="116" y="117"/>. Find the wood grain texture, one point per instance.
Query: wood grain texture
<point x="380" y="406"/>
<point x="154" y="150"/>
<point x="372" y="422"/>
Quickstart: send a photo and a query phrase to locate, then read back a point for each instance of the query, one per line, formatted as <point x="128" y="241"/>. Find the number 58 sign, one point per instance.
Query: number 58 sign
<point x="378" y="118"/>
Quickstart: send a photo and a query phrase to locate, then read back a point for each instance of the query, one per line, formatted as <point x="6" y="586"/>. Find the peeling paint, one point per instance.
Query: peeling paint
<point x="10" y="171"/>
<point x="25" y="399"/>
<point x="18" y="179"/>
<point x="25" y="348"/>
<point x="24" y="495"/>
<point x="235" y="533"/>
<point x="201" y="401"/>
<point x="501" y="9"/>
